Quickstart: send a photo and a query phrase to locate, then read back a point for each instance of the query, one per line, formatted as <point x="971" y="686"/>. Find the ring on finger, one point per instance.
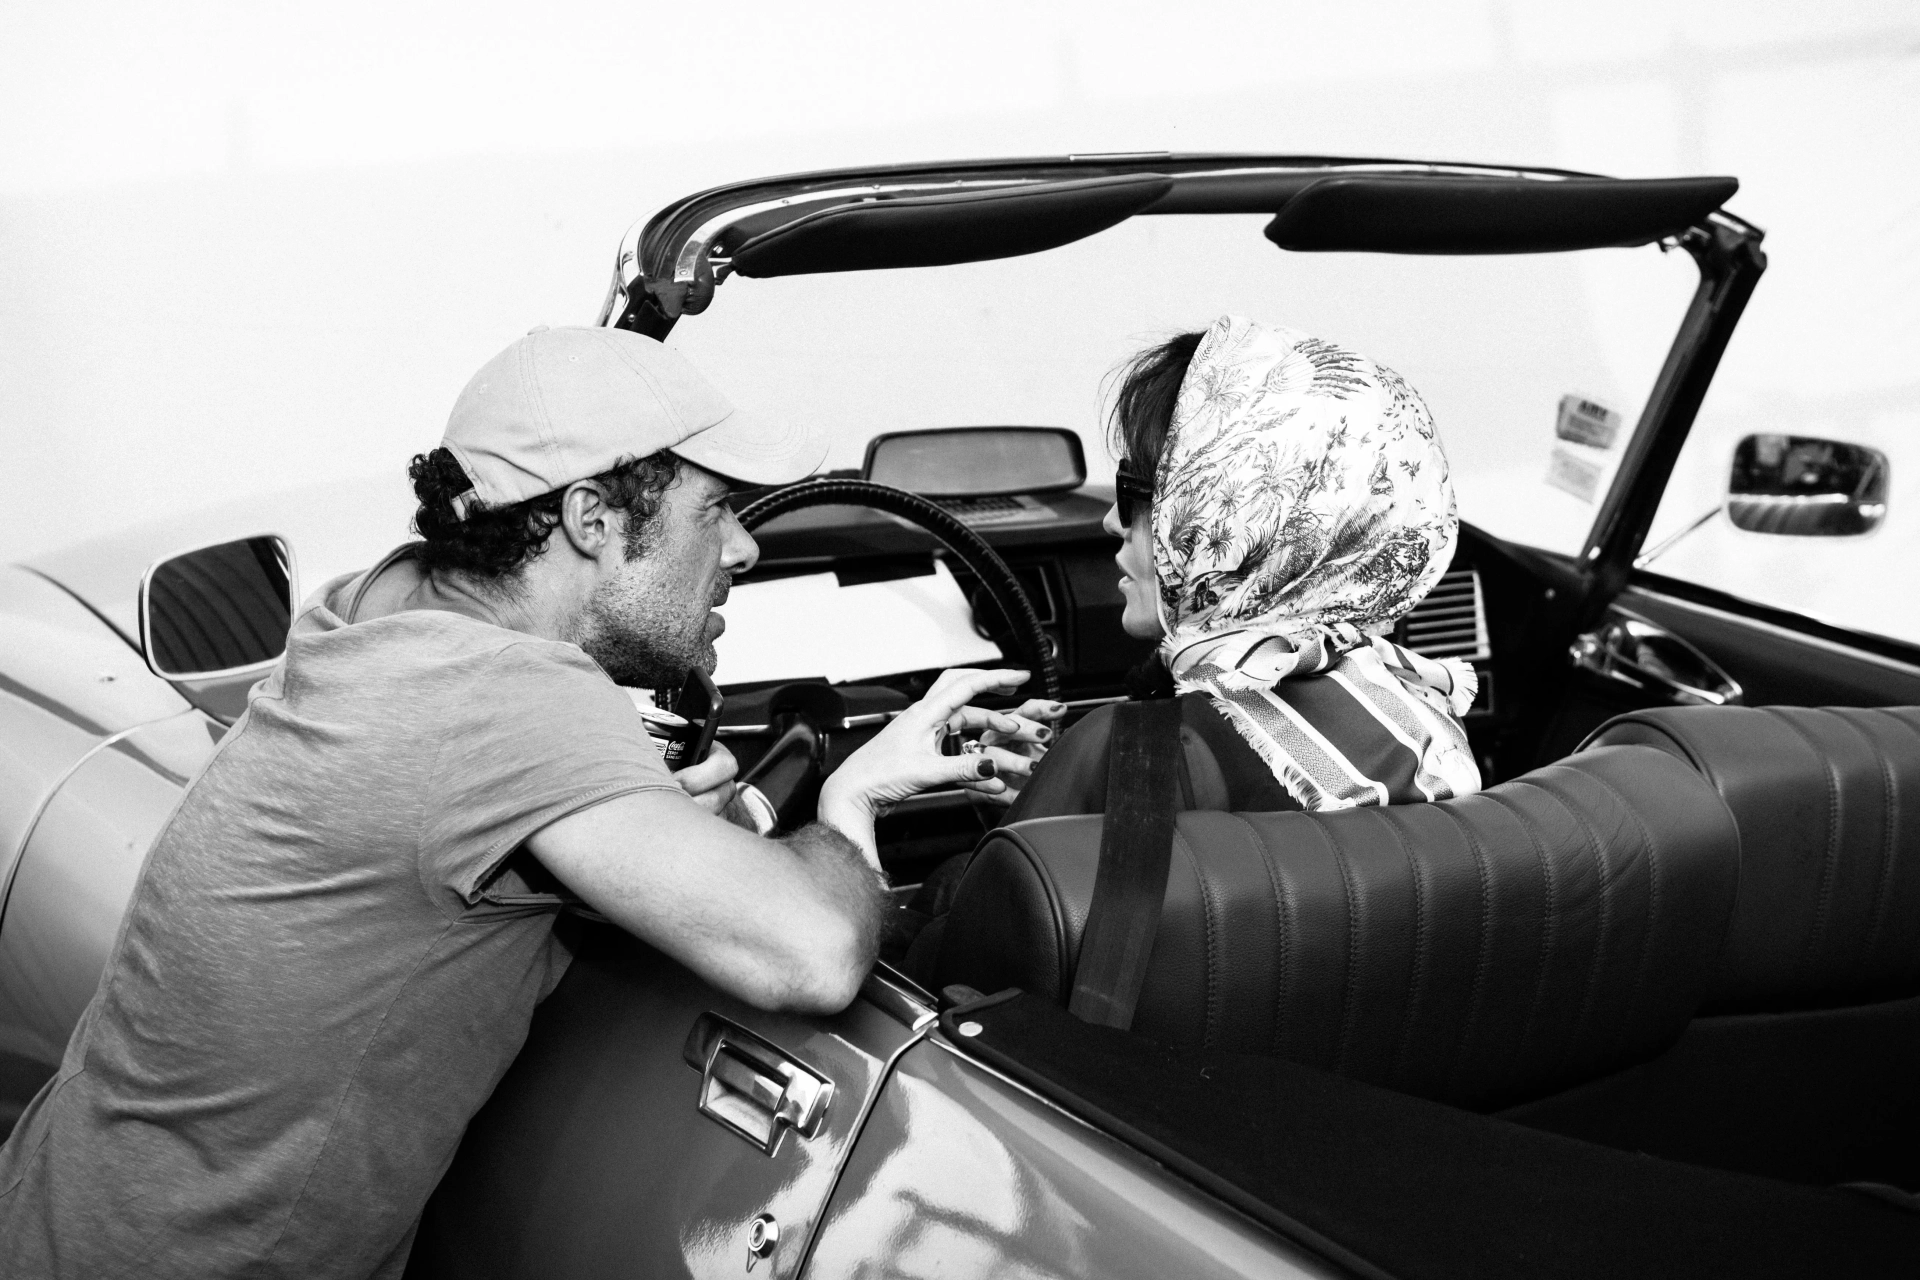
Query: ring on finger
<point x="972" y="747"/>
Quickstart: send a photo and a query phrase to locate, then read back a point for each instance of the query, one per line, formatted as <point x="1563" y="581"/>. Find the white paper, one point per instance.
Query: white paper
<point x="811" y="626"/>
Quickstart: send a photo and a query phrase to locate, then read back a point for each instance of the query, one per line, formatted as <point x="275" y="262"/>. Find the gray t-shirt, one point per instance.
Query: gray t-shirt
<point x="326" y="965"/>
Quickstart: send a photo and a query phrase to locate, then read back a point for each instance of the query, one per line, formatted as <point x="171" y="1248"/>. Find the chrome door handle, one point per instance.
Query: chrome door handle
<point x="1635" y="652"/>
<point x="752" y="1087"/>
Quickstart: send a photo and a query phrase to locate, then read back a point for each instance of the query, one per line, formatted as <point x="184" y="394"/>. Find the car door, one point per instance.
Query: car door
<point x="655" y="1127"/>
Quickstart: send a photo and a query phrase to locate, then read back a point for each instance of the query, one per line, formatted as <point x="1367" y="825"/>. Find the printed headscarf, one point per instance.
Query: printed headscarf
<point x="1302" y="506"/>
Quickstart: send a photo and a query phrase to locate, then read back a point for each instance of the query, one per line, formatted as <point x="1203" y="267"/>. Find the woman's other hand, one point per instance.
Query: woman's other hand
<point x="1016" y="750"/>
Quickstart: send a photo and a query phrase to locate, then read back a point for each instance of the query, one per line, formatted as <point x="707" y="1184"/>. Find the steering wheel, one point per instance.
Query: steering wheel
<point x="966" y="546"/>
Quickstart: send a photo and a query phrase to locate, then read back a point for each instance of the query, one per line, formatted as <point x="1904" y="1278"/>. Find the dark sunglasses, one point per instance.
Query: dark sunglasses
<point x="1129" y="488"/>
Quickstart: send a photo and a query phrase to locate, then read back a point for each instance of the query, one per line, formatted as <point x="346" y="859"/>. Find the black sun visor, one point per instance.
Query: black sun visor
<point x="940" y="230"/>
<point x="1473" y="215"/>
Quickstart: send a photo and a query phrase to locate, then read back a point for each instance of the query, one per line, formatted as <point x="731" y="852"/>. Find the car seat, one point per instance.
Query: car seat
<point x="1478" y="951"/>
<point x="1802" y="1062"/>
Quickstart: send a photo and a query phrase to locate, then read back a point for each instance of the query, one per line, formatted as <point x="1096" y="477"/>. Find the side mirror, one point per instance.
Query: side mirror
<point x="1806" y="487"/>
<point x="218" y="612"/>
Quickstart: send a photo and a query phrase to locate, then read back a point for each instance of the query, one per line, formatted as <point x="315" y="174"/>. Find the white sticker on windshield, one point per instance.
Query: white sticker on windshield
<point x="1577" y="475"/>
<point x="1588" y="422"/>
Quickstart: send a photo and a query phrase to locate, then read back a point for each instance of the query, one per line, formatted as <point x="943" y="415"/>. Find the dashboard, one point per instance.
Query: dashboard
<point x="1055" y="546"/>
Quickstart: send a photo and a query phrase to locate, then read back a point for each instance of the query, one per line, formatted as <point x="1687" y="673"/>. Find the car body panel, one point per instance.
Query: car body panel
<point x="961" y="1172"/>
<point x="67" y="891"/>
<point x="334" y="527"/>
<point x="618" y="1172"/>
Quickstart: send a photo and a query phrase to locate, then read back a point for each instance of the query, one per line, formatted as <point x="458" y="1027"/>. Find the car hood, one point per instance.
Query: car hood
<point x="335" y="527"/>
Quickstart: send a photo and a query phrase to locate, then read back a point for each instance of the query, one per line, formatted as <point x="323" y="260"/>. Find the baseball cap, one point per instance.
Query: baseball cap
<point x="562" y="404"/>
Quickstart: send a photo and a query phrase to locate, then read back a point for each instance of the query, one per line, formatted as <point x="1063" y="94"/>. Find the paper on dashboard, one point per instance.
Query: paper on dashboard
<point x="809" y="625"/>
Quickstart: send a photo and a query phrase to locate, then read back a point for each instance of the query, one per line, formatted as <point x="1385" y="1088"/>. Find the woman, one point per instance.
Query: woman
<point x="1282" y="502"/>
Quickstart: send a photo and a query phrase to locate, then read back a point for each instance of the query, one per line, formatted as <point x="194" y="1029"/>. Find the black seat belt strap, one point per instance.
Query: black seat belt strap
<point x="1136" y="850"/>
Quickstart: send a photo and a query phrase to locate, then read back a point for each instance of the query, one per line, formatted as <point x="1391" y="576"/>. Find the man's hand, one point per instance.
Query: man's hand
<point x="710" y="782"/>
<point x="905" y="759"/>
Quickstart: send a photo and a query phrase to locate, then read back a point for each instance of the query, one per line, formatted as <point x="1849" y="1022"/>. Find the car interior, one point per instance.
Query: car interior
<point x="1676" y="923"/>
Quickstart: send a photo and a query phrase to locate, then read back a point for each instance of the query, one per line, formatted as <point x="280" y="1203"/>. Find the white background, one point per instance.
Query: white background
<point x="244" y="247"/>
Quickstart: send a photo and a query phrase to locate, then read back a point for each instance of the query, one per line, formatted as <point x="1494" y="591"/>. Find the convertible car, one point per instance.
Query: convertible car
<point x="1649" y="1004"/>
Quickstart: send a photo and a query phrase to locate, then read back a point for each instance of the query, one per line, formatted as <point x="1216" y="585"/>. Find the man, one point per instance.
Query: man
<point x="338" y="938"/>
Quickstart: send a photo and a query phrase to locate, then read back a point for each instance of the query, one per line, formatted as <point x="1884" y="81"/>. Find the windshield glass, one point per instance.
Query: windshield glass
<point x="1535" y="367"/>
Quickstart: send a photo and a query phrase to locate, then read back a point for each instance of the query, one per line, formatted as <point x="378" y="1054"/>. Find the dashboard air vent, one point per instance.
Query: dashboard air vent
<point x="1451" y="622"/>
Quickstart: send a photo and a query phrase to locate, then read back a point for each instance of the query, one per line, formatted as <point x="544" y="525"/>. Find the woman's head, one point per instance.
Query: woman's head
<point x="1142" y="415"/>
<point x="1296" y="485"/>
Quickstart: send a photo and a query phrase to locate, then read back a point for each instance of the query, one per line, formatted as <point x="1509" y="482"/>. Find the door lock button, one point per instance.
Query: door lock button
<point x="763" y="1236"/>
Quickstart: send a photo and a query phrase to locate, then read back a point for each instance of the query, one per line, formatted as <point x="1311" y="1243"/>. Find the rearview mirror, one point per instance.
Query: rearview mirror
<point x="1806" y="487"/>
<point x="977" y="462"/>
<point x="217" y="611"/>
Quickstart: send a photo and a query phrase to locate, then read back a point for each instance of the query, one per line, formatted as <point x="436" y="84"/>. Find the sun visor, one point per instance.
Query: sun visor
<point x="1391" y="214"/>
<point x="939" y="230"/>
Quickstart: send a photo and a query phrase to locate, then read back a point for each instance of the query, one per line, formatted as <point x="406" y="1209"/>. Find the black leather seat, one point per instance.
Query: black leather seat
<point x="1478" y="951"/>
<point x="1828" y="806"/>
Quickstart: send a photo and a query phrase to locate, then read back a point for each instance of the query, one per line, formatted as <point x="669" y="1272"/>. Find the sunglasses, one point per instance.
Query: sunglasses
<point x="1131" y="491"/>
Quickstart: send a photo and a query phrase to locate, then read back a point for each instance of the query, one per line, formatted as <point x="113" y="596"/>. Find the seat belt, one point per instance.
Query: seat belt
<point x="1136" y="850"/>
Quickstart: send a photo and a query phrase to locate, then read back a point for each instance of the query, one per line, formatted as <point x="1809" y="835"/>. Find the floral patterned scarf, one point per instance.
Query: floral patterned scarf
<point x="1301" y="507"/>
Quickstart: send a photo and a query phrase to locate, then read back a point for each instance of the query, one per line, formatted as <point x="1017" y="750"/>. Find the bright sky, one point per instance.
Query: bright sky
<point x="244" y="245"/>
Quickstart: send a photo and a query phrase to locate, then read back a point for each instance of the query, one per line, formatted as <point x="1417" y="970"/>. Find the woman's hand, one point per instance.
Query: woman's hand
<point x="1015" y="752"/>
<point x="905" y="758"/>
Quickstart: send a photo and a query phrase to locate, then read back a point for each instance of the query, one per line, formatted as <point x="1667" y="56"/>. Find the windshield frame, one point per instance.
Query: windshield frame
<point x="670" y="265"/>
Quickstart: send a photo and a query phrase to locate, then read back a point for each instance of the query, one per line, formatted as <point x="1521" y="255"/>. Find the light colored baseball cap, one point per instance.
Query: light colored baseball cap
<point x="563" y="404"/>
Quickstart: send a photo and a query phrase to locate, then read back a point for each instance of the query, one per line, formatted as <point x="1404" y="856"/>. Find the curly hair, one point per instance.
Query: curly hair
<point x="1143" y="410"/>
<point x="496" y="542"/>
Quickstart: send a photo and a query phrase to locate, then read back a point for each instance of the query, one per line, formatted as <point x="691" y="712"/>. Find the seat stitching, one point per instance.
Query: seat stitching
<point x="1888" y="812"/>
<point x="1911" y="727"/>
<point x="1482" y="953"/>
<point x="1641" y="970"/>
<point x="1211" y="1037"/>
<point x="1056" y="907"/>
<point x="1549" y="920"/>
<point x="1348" y="1005"/>
<point x="1829" y="868"/>
<point x="1282" y="918"/>
<point x="1589" y="995"/>
<point x="1415" y="989"/>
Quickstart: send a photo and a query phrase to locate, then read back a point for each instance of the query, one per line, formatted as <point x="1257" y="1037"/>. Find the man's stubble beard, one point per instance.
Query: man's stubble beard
<point x="620" y="629"/>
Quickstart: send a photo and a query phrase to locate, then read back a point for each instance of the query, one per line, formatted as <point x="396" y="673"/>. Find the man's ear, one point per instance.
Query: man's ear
<point x="590" y="525"/>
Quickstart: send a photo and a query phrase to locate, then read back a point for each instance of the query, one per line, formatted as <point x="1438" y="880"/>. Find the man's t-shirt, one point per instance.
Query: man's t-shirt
<point x="325" y="967"/>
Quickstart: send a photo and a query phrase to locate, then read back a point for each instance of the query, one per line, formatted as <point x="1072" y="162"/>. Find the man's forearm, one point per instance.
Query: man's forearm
<point x="849" y="875"/>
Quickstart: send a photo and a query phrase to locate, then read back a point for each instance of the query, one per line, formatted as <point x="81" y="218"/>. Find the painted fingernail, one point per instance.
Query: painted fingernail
<point x="986" y="769"/>
<point x="1043" y="733"/>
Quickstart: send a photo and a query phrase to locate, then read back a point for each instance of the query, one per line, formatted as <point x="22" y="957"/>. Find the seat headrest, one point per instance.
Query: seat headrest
<point x="1479" y="951"/>
<point x="1828" y="805"/>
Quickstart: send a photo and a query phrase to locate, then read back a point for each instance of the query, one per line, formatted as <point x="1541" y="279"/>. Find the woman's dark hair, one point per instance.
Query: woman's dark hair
<point x="493" y="542"/>
<point x="1142" y="412"/>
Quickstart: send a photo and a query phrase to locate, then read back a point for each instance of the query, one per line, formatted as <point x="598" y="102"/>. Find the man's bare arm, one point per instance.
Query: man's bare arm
<point x="783" y="924"/>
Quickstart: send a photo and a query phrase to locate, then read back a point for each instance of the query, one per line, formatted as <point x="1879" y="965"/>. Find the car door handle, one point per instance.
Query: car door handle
<point x="752" y="1087"/>
<point x="1635" y="652"/>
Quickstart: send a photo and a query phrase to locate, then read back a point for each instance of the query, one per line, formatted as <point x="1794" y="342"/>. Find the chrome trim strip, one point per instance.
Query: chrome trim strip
<point x="686" y="263"/>
<point x="40" y="809"/>
<point x="1786" y="633"/>
<point x="869" y="719"/>
<point x="881" y="1080"/>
